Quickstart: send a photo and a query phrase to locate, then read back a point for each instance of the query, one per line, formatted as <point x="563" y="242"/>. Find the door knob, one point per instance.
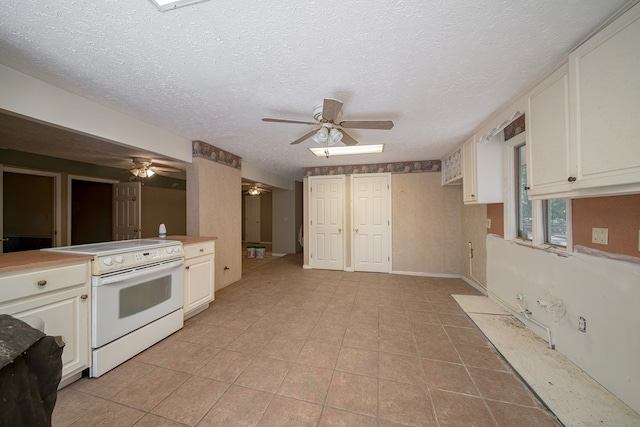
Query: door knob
<point x="356" y="230"/>
<point x="339" y="230"/>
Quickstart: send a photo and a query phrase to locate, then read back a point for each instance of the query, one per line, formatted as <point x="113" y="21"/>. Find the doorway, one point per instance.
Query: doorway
<point x="30" y="210"/>
<point x="91" y="212"/>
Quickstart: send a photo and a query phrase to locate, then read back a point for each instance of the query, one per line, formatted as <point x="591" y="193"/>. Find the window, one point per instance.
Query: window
<point x="524" y="219"/>
<point x="555" y="218"/>
<point x="538" y="222"/>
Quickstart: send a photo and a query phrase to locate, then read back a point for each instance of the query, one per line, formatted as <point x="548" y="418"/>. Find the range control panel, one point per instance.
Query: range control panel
<point x="121" y="261"/>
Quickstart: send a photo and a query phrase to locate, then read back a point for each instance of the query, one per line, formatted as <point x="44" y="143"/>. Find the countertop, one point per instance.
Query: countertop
<point x="15" y="261"/>
<point x="188" y="240"/>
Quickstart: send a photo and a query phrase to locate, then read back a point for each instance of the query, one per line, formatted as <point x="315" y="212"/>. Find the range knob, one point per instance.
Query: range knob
<point x="107" y="261"/>
<point x="119" y="259"/>
<point x="176" y="249"/>
<point x="168" y="250"/>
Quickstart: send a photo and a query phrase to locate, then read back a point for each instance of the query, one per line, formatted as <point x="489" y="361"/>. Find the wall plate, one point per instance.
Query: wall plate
<point x="600" y="236"/>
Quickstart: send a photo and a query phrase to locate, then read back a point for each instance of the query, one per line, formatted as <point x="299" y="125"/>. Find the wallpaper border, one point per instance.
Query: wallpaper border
<point x="215" y="154"/>
<point x="396" y="167"/>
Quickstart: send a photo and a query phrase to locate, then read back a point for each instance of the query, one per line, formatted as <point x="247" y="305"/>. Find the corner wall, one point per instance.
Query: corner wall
<point x="214" y="208"/>
<point x="426" y="225"/>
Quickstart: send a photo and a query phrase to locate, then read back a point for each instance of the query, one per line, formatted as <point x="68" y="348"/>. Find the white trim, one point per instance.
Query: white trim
<point x="349" y="270"/>
<point x="57" y="198"/>
<point x="424" y="274"/>
<point x="306" y="267"/>
<point x="70" y="198"/>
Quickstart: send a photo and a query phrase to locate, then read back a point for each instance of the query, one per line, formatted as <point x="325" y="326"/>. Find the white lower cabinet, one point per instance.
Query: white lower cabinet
<point x="199" y="278"/>
<point x="60" y="299"/>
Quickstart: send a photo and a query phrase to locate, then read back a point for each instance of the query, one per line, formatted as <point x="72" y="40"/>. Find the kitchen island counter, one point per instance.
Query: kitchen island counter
<point x="16" y="261"/>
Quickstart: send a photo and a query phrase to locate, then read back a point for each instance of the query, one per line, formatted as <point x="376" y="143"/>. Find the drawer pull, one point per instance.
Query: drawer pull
<point x="572" y="179"/>
<point x="186" y="268"/>
<point x="84" y="296"/>
<point x="42" y="282"/>
<point x="201" y="249"/>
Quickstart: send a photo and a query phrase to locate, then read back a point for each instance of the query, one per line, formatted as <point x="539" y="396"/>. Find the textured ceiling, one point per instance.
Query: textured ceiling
<point x="211" y="71"/>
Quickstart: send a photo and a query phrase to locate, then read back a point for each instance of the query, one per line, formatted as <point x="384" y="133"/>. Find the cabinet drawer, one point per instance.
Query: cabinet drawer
<point x="36" y="282"/>
<point x="198" y="249"/>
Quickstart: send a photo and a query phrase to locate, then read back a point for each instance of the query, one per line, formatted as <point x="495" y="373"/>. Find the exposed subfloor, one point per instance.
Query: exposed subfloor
<point x="292" y="347"/>
<point x="574" y="397"/>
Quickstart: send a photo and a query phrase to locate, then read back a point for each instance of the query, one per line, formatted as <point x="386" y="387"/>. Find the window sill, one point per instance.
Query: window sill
<point x="560" y="251"/>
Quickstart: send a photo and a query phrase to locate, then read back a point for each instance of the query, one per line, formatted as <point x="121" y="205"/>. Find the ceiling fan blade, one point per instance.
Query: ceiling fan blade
<point x="331" y="109"/>
<point x="367" y="124"/>
<point x="266" y="119"/>
<point x="305" y="136"/>
<point x="348" y="139"/>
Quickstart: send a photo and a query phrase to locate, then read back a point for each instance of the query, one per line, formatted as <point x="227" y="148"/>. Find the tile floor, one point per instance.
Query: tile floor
<point x="293" y="347"/>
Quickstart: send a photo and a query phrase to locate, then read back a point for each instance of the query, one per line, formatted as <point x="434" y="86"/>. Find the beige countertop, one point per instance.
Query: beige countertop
<point x="15" y="261"/>
<point x="188" y="240"/>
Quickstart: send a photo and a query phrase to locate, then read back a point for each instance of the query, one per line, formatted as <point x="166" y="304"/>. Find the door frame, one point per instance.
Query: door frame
<point x="344" y="217"/>
<point x="70" y="178"/>
<point x="389" y="207"/>
<point x="57" y="198"/>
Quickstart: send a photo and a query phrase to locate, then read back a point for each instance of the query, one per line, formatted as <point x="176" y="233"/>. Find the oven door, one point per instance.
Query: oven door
<point x="125" y="301"/>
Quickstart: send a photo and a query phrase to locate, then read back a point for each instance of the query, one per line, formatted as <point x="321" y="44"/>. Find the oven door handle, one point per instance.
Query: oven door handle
<point x="140" y="272"/>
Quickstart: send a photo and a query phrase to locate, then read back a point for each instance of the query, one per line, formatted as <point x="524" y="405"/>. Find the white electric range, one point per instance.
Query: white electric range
<point x="137" y="289"/>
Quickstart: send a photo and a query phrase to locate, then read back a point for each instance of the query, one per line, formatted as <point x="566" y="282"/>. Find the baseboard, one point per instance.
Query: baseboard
<point x="423" y="274"/>
<point x="306" y="267"/>
<point x="349" y="270"/>
<point x="473" y="283"/>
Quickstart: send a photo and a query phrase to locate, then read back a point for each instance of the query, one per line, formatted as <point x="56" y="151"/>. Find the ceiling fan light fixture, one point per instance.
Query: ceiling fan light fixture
<point x="322" y="135"/>
<point x="335" y="136"/>
<point x="253" y="191"/>
<point x="150" y="173"/>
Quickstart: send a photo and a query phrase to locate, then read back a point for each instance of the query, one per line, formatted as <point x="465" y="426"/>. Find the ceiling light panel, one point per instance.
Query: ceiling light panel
<point x="165" y="5"/>
<point x="347" y="150"/>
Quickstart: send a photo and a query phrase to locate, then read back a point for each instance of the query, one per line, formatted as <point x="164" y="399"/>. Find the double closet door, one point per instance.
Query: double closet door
<point x="354" y="221"/>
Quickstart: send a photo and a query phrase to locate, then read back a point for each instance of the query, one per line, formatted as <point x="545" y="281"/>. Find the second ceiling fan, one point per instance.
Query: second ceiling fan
<point x="331" y="130"/>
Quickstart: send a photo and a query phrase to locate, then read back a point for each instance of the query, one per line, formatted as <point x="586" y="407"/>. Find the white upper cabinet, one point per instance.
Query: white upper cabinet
<point x="605" y="98"/>
<point x="583" y="127"/>
<point x="481" y="171"/>
<point x="550" y="169"/>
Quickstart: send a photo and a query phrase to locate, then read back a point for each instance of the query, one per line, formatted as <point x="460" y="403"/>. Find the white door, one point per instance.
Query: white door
<point x="126" y="211"/>
<point x="326" y="218"/>
<point x="371" y="223"/>
<point x="252" y="219"/>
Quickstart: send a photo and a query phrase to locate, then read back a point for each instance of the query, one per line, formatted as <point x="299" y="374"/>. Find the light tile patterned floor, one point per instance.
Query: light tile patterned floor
<point x="293" y="347"/>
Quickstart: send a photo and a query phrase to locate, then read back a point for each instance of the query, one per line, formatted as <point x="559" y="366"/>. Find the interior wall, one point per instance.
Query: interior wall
<point x="619" y="214"/>
<point x="284" y="222"/>
<point x="163" y="206"/>
<point x="426" y="219"/>
<point x="495" y="213"/>
<point x="266" y="217"/>
<point x="603" y="291"/>
<point x="474" y="232"/>
<point x="214" y="209"/>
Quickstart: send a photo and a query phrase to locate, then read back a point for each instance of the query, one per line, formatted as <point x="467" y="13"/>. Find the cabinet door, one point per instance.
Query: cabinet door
<point x="198" y="283"/>
<point x="549" y="166"/>
<point x="66" y="314"/>
<point x="605" y="75"/>
<point x="469" y="184"/>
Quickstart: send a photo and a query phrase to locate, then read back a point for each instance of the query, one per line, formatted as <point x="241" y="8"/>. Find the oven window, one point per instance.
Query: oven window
<point x="140" y="297"/>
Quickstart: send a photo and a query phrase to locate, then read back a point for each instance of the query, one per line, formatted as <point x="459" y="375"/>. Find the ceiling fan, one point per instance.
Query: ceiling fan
<point x="331" y="130"/>
<point x="254" y="189"/>
<point x="144" y="168"/>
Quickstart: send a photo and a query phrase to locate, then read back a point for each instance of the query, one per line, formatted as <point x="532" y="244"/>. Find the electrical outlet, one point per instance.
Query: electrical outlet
<point x="600" y="236"/>
<point x="488" y="222"/>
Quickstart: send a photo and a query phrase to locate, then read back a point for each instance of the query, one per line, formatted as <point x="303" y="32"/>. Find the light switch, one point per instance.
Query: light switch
<point x="600" y="236"/>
